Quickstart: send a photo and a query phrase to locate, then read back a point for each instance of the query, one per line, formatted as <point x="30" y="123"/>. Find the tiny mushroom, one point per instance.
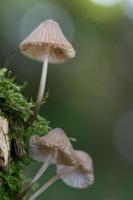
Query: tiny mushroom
<point x="82" y="176"/>
<point x="46" y="43"/>
<point x="79" y="176"/>
<point x="54" y="147"/>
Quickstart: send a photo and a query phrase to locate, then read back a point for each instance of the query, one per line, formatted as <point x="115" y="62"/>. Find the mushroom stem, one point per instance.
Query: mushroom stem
<point x="35" y="178"/>
<point x="46" y="185"/>
<point x="41" y="170"/>
<point x="42" y="83"/>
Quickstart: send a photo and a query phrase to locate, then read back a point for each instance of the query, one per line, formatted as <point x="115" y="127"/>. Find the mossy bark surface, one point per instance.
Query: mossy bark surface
<point x="17" y="110"/>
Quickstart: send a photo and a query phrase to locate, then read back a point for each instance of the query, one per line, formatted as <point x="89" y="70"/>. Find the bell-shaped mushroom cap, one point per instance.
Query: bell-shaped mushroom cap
<point x="47" y="35"/>
<point x="82" y="175"/>
<point x="54" y="144"/>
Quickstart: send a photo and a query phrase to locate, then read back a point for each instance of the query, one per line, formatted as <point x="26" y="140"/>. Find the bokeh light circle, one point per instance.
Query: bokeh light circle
<point x="123" y="137"/>
<point x="38" y="13"/>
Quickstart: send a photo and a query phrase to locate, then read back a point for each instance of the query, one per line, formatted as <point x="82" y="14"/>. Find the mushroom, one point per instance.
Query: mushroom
<point x="54" y="147"/>
<point x="46" y="43"/>
<point x="78" y="176"/>
<point x="83" y="175"/>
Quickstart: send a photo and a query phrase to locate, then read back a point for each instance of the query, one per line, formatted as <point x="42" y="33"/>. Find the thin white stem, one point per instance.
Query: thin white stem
<point x="42" y="82"/>
<point x="46" y="185"/>
<point x="43" y="78"/>
<point x="42" y="169"/>
<point x="36" y="177"/>
<point x="51" y="181"/>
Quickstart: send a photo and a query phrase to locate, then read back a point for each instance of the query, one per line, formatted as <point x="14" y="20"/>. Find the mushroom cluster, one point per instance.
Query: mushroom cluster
<point x="74" y="167"/>
<point x="48" y="44"/>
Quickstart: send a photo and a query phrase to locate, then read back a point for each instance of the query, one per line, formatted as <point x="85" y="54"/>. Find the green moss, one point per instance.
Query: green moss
<point x="18" y="110"/>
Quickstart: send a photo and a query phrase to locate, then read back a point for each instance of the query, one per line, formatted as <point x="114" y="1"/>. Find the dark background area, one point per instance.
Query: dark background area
<point x="90" y="96"/>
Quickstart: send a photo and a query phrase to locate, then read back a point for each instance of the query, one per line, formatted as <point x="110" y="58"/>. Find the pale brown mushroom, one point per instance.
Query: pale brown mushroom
<point x="54" y="147"/>
<point x="46" y="43"/>
<point x="83" y="175"/>
<point x="79" y="176"/>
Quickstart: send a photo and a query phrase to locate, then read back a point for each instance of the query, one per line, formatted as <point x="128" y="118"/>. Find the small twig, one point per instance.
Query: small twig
<point x="24" y="192"/>
<point x="12" y="53"/>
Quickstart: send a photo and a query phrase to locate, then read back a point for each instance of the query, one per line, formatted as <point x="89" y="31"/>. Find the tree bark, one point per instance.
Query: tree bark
<point x="4" y="143"/>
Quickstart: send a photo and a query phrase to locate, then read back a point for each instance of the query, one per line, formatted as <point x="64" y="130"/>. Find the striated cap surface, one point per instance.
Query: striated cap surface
<point x="47" y="35"/>
<point x="56" y="143"/>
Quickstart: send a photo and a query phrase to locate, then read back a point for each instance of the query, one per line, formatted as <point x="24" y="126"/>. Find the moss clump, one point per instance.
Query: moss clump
<point x="18" y="110"/>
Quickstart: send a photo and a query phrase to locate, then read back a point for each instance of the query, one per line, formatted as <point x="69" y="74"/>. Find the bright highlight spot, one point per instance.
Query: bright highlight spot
<point x="128" y="8"/>
<point x="40" y="12"/>
<point x="106" y="2"/>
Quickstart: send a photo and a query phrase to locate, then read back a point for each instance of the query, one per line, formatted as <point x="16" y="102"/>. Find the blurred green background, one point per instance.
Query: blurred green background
<point x="90" y="96"/>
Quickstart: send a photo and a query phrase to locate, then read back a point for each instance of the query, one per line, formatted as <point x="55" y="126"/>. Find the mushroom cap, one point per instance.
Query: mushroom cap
<point x="47" y="35"/>
<point x="82" y="175"/>
<point x="55" y="144"/>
